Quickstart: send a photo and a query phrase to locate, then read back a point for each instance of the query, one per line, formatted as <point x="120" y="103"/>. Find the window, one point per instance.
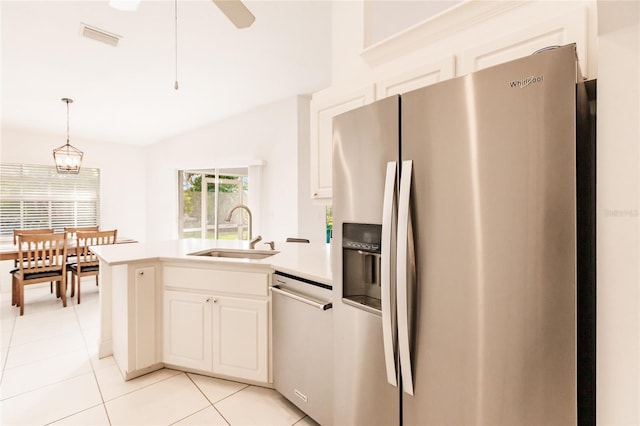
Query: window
<point x="328" y="220"/>
<point x="207" y="196"/>
<point x="35" y="196"/>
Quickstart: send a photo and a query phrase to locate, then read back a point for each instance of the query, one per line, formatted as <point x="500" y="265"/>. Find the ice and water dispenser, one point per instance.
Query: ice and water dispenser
<point x="361" y="265"/>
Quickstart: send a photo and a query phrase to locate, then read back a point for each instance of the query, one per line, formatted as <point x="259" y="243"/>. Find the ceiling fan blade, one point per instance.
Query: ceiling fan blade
<point x="236" y="12"/>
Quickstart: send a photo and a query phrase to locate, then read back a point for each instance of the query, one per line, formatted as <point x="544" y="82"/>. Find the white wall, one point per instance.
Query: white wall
<point x="139" y="184"/>
<point x="122" y="174"/>
<point x="269" y="135"/>
<point x="382" y="19"/>
<point x="347" y="41"/>
<point x="618" y="333"/>
<point x="311" y="215"/>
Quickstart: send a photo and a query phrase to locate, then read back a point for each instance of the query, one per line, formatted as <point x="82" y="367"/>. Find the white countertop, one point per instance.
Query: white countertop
<point x="311" y="261"/>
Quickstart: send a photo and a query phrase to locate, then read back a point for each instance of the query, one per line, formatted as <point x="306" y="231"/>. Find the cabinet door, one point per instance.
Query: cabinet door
<point x="240" y="338"/>
<point x="561" y="30"/>
<point x="187" y="329"/>
<point x="145" y="317"/>
<point x="325" y="106"/>
<point x="416" y="78"/>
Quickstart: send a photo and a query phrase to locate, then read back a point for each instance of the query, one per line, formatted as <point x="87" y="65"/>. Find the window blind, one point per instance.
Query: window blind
<point x="36" y="196"/>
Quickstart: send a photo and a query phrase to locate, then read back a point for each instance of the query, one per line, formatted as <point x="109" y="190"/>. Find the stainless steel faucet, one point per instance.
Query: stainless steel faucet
<point x="242" y="206"/>
<point x="254" y="241"/>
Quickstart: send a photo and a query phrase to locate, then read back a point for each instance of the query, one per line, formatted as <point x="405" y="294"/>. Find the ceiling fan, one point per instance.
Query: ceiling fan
<point x="235" y="10"/>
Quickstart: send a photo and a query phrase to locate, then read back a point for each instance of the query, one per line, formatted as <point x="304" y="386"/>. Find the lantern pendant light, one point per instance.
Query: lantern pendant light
<point x="67" y="157"/>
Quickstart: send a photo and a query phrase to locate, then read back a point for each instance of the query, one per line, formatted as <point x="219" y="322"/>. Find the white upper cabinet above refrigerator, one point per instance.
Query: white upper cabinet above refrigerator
<point x="558" y="31"/>
<point x="416" y="77"/>
<point x="466" y="38"/>
<point x="329" y="103"/>
<point x="324" y="106"/>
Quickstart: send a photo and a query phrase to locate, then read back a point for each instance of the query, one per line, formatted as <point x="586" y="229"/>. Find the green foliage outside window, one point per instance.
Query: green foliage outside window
<point x="221" y="193"/>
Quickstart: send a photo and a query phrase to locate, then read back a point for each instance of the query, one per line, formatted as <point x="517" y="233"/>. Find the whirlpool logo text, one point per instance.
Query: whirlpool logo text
<point x="526" y="81"/>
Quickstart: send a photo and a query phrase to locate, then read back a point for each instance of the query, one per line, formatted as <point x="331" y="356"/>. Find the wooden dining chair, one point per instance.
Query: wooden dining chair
<point x="72" y="242"/>
<point x="72" y="232"/>
<point x="42" y="258"/>
<point x="87" y="262"/>
<point x="16" y="233"/>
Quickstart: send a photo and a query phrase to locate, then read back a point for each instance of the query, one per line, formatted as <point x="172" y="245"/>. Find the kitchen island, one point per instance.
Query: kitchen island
<point x="162" y="304"/>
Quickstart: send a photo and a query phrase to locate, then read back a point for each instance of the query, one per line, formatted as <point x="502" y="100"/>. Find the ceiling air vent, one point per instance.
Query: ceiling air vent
<point x="99" y="35"/>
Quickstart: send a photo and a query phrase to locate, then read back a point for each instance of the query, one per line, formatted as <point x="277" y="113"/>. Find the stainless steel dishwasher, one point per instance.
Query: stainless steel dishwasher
<point x="303" y="344"/>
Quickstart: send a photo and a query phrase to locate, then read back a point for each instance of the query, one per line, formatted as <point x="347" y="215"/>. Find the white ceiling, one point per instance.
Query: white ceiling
<point x="125" y="94"/>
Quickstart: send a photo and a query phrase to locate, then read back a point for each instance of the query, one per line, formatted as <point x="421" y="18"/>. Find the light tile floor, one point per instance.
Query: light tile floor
<point x="51" y="375"/>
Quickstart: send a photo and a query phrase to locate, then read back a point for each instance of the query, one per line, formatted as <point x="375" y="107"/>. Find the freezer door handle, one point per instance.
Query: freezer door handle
<point x="386" y="272"/>
<point x="404" y="264"/>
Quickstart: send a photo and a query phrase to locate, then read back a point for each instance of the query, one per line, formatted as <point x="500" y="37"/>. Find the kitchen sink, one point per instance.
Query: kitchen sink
<point x="236" y="253"/>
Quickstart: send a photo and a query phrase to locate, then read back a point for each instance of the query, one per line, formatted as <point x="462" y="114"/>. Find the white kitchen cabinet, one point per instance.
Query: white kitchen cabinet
<point x="136" y="331"/>
<point x="217" y="321"/>
<point x="324" y="106"/>
<point x="145" y="288"/>
<point x="415" y="78"/>
<point x="558" y="31"/>
<point x="327" y="104"/>
<point x="469" y="37"/>
<point x="240" y="338"/>
<point x="223" y="335"/>
<point x="187" y="330"/>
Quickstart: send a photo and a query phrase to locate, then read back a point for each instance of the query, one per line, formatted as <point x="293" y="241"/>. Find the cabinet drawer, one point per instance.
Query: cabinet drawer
<point x="217" y="281"/>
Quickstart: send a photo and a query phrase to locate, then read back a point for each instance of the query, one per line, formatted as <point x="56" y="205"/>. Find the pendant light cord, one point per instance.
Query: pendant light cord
<point x="67" y="102"/>
<point x="175" y="84"/>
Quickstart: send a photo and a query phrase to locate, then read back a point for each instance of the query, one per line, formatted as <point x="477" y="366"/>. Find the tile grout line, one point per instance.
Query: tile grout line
<point x="4" y="363"/>
<point x="210" y="402"/>
<point x="145" y="386"/>
<point x="86" y="348"/>
<point x="73" y="414"/>
<point x="93" y="368"/>
<point x="86" y="351"/>
<point x="43" y="386"/>
<point x="186" y="417"/>
<point x="153" y="384"/>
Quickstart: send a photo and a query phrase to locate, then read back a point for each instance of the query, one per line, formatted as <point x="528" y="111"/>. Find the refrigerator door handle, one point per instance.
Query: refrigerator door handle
<point x="403" y="285"/>
<point x="387" y="302"/>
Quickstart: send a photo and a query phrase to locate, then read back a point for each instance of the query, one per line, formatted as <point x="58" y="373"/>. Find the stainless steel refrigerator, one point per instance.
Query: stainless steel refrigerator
<point x="463" y="251"/>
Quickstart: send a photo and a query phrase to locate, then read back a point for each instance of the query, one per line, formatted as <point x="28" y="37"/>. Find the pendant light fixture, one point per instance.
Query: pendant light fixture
<point x="68" y="158"/>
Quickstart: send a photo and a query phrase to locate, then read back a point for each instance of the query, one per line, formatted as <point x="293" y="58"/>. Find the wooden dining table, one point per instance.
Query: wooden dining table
<point x="9" y="251"/>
